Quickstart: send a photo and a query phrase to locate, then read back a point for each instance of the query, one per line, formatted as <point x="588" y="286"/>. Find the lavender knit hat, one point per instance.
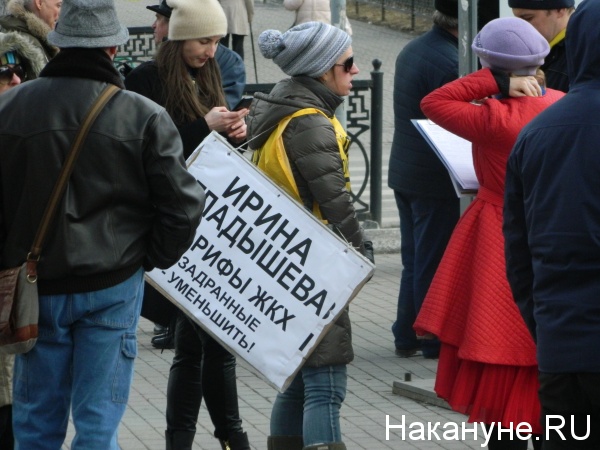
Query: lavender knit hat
<point x="511" y="45"/>
<point x="310" y="49"/>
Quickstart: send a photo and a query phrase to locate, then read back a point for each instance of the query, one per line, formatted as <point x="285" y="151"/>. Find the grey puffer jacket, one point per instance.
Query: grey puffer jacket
<point x="311" y="146"/>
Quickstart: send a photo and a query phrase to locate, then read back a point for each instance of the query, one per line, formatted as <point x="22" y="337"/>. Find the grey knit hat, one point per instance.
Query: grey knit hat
<point x="310" y="49"/>
<point x="87" y="24"/>
<point x="511" y="45"/>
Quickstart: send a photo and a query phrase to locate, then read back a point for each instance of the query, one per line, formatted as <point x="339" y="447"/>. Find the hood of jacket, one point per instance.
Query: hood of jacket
<point x="583" y="57"/>
<point x="287" y="97"/>
<point x="20" y="19"/>
<point x="33" y="56"/>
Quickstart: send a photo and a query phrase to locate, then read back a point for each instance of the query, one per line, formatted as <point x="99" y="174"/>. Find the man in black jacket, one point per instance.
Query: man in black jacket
<point x="550" y="18"/>
<point x="130" y="205"/>
<point x="551" y="230"/>
<point x="426" y="200"/>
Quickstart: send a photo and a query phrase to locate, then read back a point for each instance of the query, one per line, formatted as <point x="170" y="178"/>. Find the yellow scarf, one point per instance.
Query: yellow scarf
<point x="559" y="37"/>
<point x="272" y="159"/>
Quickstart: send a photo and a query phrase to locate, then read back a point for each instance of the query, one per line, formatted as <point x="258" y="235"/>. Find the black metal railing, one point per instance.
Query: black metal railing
<point x="364" y="113"/>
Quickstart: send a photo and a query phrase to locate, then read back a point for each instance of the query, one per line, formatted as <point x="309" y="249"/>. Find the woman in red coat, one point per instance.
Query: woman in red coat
<point x="487" y="367"/>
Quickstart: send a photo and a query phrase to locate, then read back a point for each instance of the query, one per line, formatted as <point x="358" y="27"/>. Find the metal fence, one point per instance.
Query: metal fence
<point x="424" y="7"/>
<point x="399" y="14"/>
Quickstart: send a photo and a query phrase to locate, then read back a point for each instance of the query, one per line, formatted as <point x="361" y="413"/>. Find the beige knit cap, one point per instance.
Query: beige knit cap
<point x="195" y="19"/>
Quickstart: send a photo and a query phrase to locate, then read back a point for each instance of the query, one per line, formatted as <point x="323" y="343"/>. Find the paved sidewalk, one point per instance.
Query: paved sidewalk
<point x="369" y="399"/>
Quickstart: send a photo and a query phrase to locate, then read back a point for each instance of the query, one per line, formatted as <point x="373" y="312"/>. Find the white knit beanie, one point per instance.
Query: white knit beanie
<point x="310" y="49"/>
<point x="195" y="19"/>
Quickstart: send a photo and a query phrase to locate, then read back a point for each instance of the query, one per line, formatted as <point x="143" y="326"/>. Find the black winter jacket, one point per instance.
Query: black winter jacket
<point x="312" y="149"/>
<point x="552" y="212"/>
<point x="555" y="68"/>
<point x="145" y="81"/>
<point x="311" y="145"/>
<point x="130" y="201"/>
<point x="425" y="64"/>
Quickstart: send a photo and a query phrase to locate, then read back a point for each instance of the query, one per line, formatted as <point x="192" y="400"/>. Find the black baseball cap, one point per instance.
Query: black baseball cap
<point x="163" y="9"/>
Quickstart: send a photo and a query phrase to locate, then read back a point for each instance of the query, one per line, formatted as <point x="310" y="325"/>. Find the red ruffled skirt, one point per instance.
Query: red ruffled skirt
<point x="489" y="393"/>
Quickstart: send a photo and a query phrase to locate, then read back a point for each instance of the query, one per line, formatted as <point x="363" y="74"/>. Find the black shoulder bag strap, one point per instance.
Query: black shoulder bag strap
<point x="59" y="188"/>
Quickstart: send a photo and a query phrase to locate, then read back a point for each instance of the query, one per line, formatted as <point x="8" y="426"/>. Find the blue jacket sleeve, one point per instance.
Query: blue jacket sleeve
<point x="233" y="74"/>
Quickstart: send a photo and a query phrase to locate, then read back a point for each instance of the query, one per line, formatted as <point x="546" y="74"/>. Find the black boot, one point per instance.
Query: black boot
<point x="159" y="329"/>
<point x="238" y="441"/>
<point x="285" y="443"/>
<point x="6" y="430"/>
<point x="166" y="340"/>
<point x="180" y="439"/>
<point x="163" y="341"/>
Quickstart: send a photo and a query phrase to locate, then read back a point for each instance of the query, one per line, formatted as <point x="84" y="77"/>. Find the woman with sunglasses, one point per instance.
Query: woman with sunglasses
<point x="19" y="60"/>
<point x="319" y="59"/>
<point x="11" y="75"/>
<point x="11" y="71"/>
<point x="14" y="69"/>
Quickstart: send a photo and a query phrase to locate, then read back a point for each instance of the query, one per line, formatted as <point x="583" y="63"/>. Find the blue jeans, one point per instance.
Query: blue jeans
<point x="310" y="406"/>
<point x="426" y="225"/>
<point x="83" y="362"/>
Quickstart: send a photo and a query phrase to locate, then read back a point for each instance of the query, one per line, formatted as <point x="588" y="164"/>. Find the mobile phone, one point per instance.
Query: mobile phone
<point x="244" y="103"/>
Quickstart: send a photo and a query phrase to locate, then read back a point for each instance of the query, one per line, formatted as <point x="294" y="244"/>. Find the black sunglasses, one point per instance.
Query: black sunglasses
<point x="347" y="65"/>
<point x="7" y="72"/>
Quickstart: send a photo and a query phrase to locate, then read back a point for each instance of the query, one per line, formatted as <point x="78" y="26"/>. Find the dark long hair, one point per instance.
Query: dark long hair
<point x="187" y="98"/>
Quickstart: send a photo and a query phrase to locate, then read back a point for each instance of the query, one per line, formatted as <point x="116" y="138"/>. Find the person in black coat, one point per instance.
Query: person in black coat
<point x="427" y="203"/>
<point x="551" y="223"/>
<point x="185" y="79"/>
<point x="550" y="18"/>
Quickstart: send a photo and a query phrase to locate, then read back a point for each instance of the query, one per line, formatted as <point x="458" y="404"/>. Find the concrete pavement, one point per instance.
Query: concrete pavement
<point x="369" y="399"/>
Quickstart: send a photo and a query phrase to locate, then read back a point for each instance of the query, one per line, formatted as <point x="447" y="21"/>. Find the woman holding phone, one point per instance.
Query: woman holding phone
<point x="185" y="79"/>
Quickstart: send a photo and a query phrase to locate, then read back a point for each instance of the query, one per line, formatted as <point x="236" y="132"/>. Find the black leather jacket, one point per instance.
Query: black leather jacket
<point x="129" y="202"/>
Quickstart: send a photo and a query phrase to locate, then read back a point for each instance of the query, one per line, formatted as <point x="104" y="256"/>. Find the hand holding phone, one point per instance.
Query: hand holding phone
<point x="243" y="103"/>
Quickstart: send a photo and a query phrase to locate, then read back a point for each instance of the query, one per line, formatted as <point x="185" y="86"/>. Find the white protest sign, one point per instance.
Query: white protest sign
<point x="263" y="275"/>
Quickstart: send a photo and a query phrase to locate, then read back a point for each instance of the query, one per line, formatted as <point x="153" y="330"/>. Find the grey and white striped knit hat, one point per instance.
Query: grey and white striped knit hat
<point x="310" y="49"/>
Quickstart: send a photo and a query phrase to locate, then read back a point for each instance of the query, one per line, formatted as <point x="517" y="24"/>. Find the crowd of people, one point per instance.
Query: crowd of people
<point x="502" y="295"/>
